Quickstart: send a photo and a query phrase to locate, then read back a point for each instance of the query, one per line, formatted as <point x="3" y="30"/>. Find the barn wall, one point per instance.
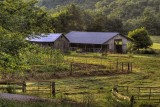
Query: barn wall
<point x="124" y="43"/>
<point x="61" y="43"/>
<point x="44" y="44"/>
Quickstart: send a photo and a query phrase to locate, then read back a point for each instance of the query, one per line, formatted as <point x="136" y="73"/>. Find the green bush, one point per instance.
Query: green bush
<point x="10" y="89"/>
<point x="146" y="51"/>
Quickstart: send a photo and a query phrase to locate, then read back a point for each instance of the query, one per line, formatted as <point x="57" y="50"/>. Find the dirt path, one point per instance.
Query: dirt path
<point x="25" y="98"/>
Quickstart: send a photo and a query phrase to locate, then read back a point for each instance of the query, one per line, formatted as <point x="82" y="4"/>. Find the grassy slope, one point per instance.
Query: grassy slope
<point x="146" y="73"/>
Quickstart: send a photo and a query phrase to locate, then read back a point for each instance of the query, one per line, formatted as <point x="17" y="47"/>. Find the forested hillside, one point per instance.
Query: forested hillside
<point x="132" y="13"/>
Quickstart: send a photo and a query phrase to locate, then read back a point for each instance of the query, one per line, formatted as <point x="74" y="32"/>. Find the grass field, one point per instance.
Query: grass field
<point x="96" y="90"/>
<point x="156" y="42"/>
<point x="155" y="39"/>
<point x="146" y="72"/>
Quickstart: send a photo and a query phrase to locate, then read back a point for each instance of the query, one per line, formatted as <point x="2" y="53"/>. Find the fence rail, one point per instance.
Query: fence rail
<point x="141" y="93"/>
<point x="37" y="88"/>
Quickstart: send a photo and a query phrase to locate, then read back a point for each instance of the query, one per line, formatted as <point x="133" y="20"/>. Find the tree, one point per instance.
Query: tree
<point x="68" y="19"/>
<point x="18" y="19"/>
<point x="140" y="38"/>
<point x="151" y="21"/>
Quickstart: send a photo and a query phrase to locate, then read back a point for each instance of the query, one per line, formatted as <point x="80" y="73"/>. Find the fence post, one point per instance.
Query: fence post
<point x="71" y="70"/>
<point x="131" y="66"/>
<point x="150" y="93"/>
<point x="110" y="66"/>
<point x="24" y="87"/>
<point x="122" y="66"/>
<point x="53" y="89"/>
<point x="38" y="87"/>
<point x="127" y="89"/>
<point x="117" y="65"/>
<point x="138" y="92"/>
<point x="128" y="68"/>
<point x="132" y="101"/>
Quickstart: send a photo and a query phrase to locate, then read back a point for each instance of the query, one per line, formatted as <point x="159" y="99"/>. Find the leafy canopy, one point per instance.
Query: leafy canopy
<point x="18" y="19"/>
<point x="140" y="38"/>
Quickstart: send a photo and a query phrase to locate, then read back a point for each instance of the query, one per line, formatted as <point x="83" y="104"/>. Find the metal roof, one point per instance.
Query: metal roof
<point x="50" y="37"/>
<point x="90" y="37"/>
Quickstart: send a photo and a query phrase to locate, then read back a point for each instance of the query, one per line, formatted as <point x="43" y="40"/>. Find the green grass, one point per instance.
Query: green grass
<point x="156" y="46"/>
<point x="156" y="42"/>
<point x="97" y="89"/>
<point x="155" y="39"/>
<point x="146" y="72"/>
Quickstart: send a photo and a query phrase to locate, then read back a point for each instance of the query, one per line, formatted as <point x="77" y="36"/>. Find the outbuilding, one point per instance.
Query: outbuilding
<point x="98" y="41"/>
<point x="53" y="40"/>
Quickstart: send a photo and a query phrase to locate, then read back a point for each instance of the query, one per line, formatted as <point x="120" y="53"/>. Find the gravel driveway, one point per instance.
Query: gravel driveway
<point x="17" y="97"/>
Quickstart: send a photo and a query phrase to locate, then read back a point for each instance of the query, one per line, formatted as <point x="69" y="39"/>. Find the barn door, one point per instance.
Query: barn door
<point x="118" y="45"/>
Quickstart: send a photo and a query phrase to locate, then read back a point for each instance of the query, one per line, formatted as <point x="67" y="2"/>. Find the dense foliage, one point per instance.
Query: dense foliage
<point x="132" y="14"/>
<point x="18" y="19"/>
<point x="140" y="38"/>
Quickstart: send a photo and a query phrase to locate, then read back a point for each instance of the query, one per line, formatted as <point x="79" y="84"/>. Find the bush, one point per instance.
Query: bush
<point x="146" y="51"/>
<point x="10" y="89"/>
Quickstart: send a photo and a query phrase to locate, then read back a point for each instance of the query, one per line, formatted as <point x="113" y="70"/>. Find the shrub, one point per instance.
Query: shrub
<point x="10" y="89"/>
<point x="146" y="51"/>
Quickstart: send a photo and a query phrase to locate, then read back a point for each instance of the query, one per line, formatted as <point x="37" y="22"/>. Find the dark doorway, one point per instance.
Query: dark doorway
<point x="118" y="45"/>
<point x="105" y="48"/>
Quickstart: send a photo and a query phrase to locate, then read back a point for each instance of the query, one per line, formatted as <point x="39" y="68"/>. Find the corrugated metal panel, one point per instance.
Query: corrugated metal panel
<point x="90" y="37"/>
<point x="51" y="37"/>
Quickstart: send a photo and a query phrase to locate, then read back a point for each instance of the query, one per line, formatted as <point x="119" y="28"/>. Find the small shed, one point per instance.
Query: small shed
<point x="53" y="40"/>
<point x="98" y="41"/>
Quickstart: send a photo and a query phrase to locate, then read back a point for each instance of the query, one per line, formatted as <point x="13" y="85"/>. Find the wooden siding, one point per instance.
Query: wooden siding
<point x="111" y="44"/>
<point x="61" y="43"/>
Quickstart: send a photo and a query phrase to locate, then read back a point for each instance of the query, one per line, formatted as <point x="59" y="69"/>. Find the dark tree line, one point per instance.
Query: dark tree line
<point x="131" y="13"/>
<point x="72" y="18"/>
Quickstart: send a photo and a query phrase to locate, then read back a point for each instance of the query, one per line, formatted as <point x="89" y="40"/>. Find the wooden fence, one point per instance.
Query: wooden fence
<point x="33" y="88"/>
<point x="141" y="93"/>
<point x="118" y="67"/>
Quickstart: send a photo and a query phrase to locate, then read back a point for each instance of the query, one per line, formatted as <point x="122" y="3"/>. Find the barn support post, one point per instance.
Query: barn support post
<point x="24" y="87"/>
<point x="53" y="89"/>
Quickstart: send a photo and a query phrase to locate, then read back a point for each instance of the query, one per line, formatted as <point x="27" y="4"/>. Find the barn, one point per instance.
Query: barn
<point x="98" y="41"/>
<point x="53" y="40"/>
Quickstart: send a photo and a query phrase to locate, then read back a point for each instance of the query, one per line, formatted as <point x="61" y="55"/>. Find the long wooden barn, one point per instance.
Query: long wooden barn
<point x="98" y="41"/>
<point x="53" y="40"/>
